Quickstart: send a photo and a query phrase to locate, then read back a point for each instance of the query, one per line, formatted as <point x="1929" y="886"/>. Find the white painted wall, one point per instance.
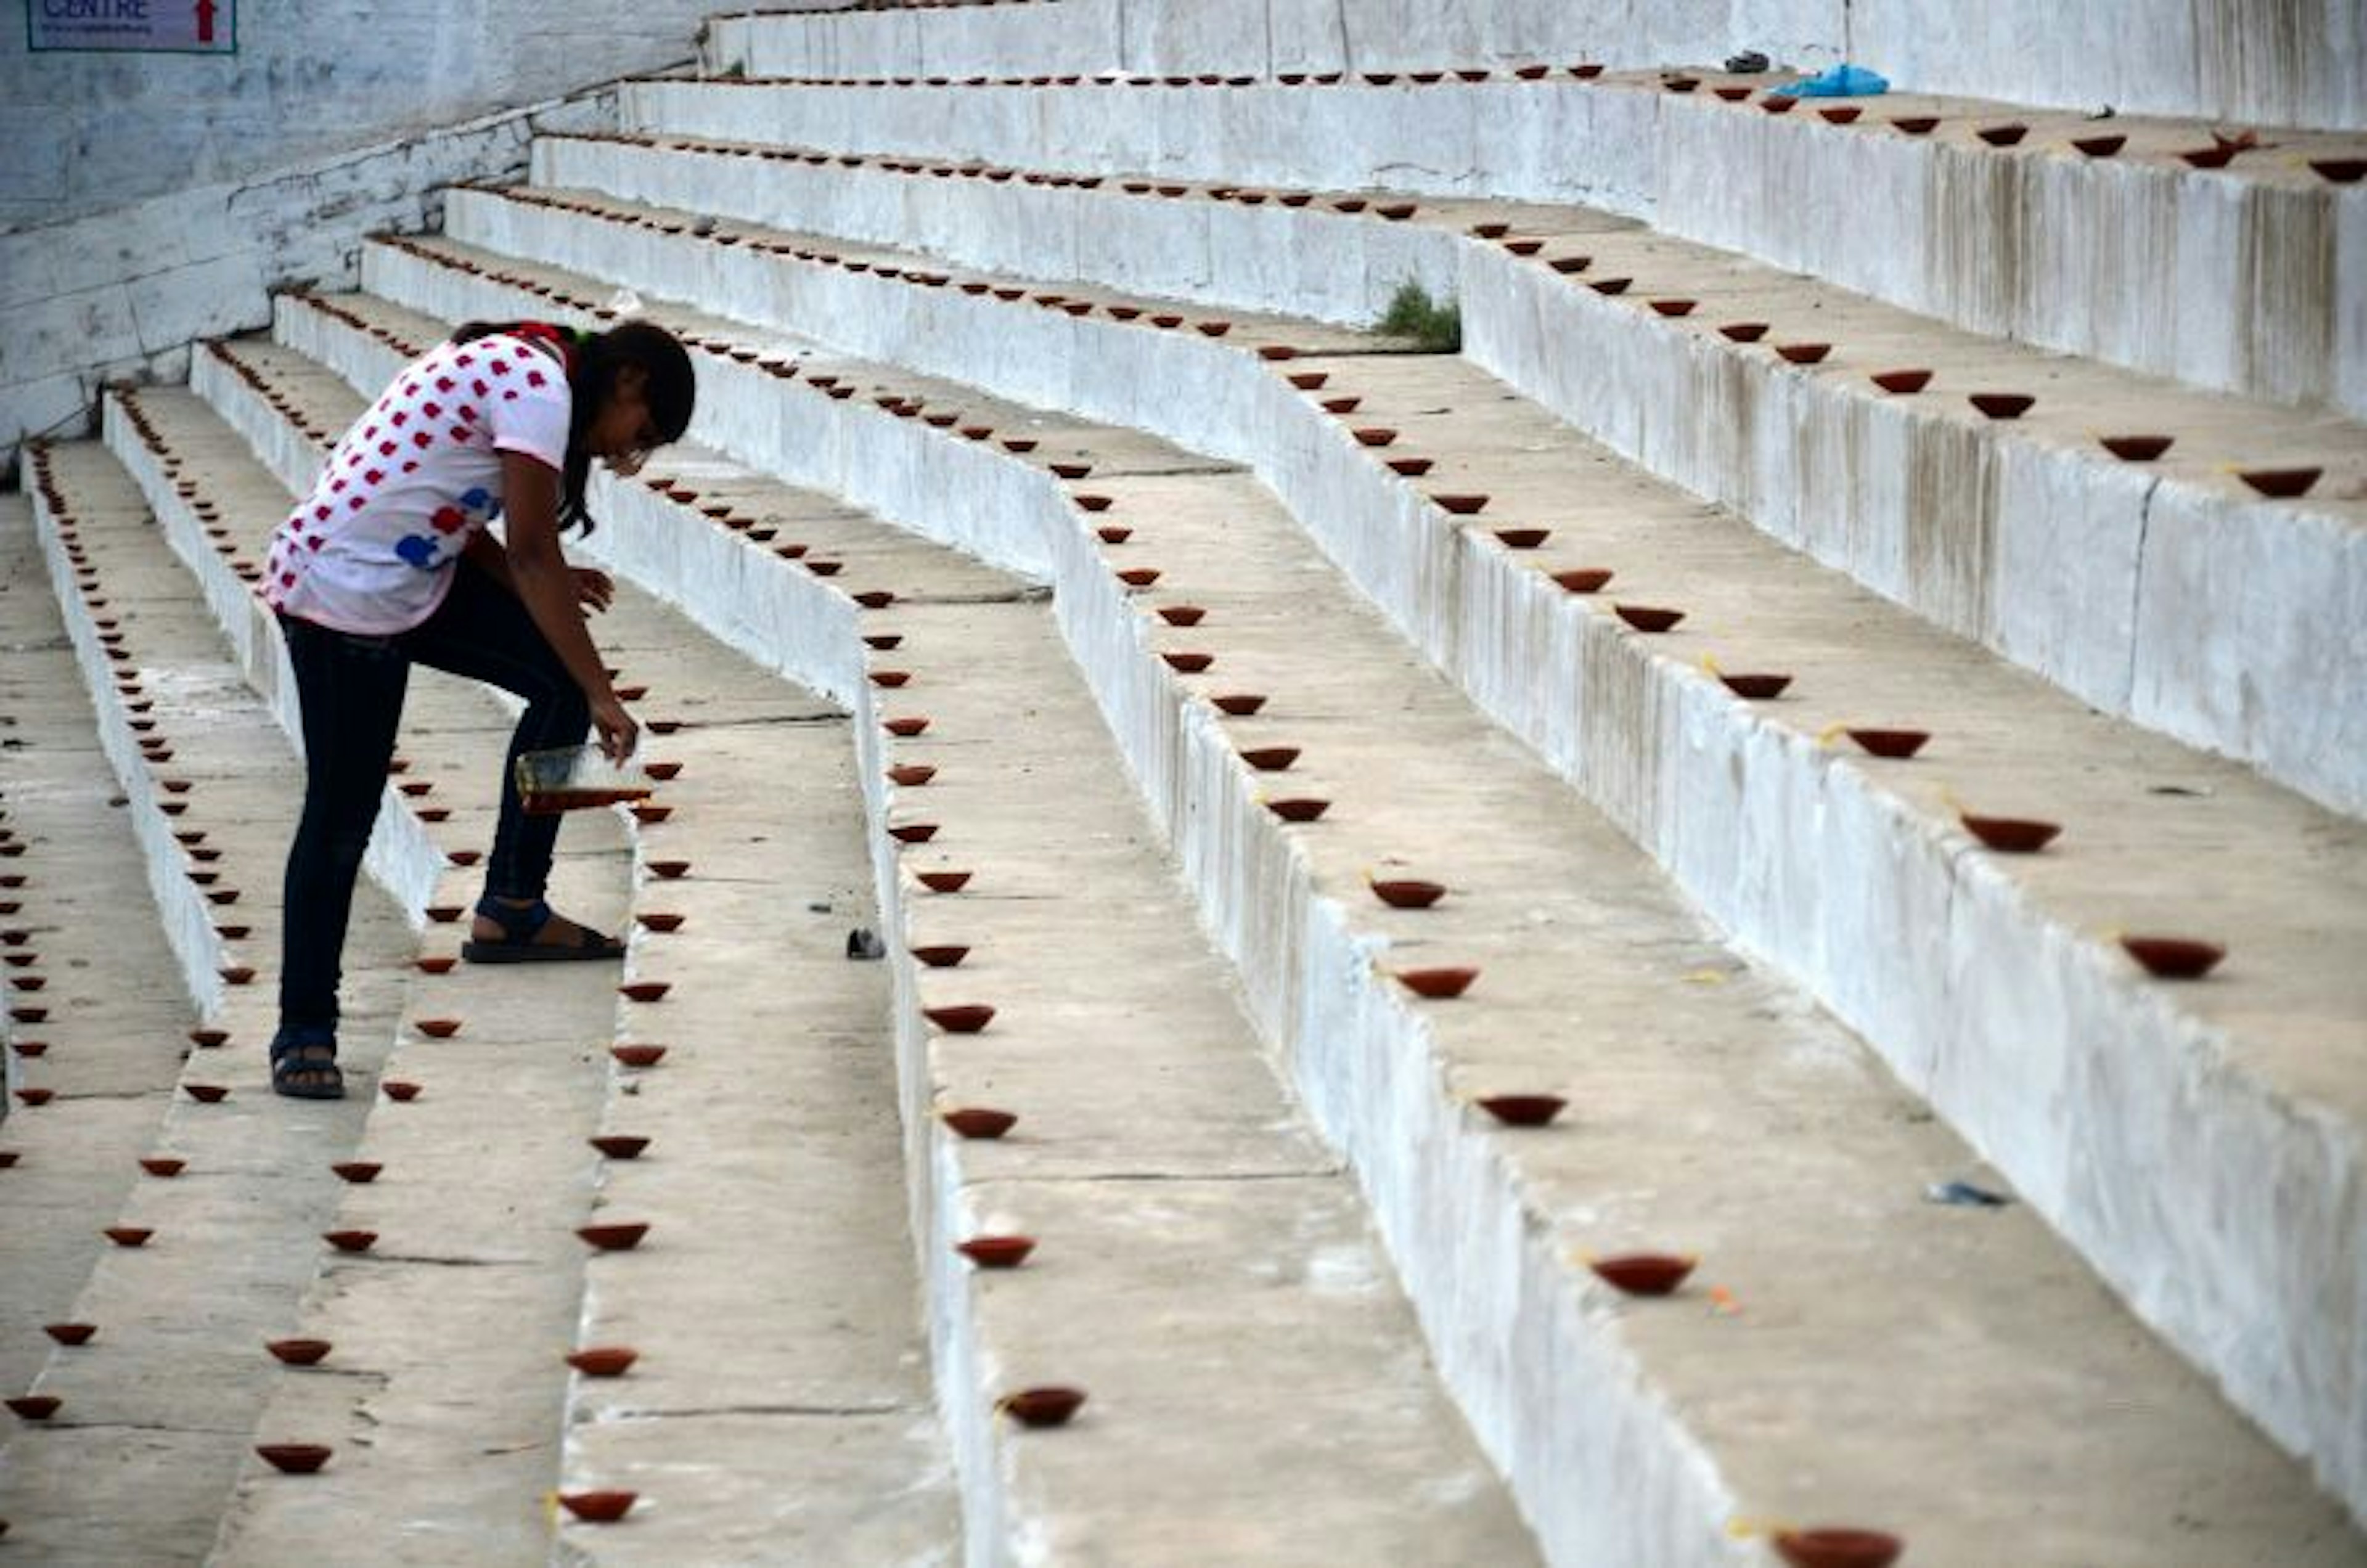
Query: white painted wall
<point x="311" y="77"/>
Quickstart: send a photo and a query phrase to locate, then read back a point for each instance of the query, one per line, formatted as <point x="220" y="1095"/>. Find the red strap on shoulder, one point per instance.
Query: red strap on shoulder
<point x="558" y="337"/>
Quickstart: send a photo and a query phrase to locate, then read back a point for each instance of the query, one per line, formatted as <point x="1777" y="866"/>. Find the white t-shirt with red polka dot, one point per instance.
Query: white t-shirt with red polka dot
<point x="372" y="548"/>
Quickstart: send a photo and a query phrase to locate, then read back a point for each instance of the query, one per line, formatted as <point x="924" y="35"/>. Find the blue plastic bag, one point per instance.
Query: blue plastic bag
<point x="1844" y="80"/>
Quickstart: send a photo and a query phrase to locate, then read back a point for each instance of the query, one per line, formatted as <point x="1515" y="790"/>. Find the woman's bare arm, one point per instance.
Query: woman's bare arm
<point x="539" y="574"/>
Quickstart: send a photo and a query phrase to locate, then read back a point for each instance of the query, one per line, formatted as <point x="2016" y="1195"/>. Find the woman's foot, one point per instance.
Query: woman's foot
<point x="527" y="931"/>
<point x="304" y="1063"/>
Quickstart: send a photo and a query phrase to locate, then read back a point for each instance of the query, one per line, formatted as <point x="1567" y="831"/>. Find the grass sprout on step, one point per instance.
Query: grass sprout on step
<point x="1436" y="326"/>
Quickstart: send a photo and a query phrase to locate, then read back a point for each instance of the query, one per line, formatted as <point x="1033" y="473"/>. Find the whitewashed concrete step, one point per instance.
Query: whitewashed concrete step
<point x="2240" y="278"/>
<point x="2180" y="62"/>
<point x="766" y="1387"/>
<point x="159" y="1408"/>
<point x="1754" y="817"/>
<point x="1283" y="633"/>
<point x="1207" y="1272"/>
<point x="75" y="909"/>
<point x="1964" y="526"/>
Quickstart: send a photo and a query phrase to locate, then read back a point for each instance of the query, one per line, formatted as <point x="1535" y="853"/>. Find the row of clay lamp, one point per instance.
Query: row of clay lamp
<point x="21" y="958"/>
<point x="2170" y="957"/>
<point x="2279" y="482"/>
<point x="2164" y="956"/>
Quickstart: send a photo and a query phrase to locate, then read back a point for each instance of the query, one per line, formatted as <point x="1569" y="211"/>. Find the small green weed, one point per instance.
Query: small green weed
<point x="1435" y="327"/>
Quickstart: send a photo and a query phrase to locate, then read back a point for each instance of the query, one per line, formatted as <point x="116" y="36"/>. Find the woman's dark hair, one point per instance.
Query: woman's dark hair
<point x="593" y="360"/>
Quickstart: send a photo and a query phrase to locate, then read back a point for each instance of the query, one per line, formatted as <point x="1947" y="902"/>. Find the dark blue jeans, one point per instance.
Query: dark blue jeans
<point x="352" y="690"/>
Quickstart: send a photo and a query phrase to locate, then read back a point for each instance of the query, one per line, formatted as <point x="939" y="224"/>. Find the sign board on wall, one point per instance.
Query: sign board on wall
<point x="170" y="26"/>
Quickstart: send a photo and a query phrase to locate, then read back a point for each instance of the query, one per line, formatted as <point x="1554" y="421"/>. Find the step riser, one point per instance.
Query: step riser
<point x="2155" y="268"/>
<point x="2213" y="60"/>
<point x="1328" y="266"/>
<point x="402" y="857"/>
<point x="181" y="905"/>
<point x="2094" y="575"/>
<point x="1826" y="907"/>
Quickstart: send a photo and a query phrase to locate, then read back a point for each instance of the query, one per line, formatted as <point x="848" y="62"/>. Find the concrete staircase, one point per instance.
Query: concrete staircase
<point x="1044" y="408"/>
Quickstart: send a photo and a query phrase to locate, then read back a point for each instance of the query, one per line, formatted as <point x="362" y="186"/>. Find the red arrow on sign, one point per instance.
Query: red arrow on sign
<point x="205" y="21"/>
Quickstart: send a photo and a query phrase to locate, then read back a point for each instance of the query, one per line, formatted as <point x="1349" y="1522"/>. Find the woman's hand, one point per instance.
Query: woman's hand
<point x="619" y="732"/>
<point x="594" y="589"/>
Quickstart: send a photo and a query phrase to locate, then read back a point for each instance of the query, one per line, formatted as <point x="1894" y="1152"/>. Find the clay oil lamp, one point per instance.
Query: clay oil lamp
<point x="618" y="1145"/>
<point x="465" y="858"/>
<point x="1647" y="618"/>
<point x="1188" y="664"/>
<point x="445" y="914"/>
<point x="1643" y="1273"/>
<point x="2280" y="484"/>
<point x="914" y="832"/>
<point x="1894" y="743"/>
<point x="1533" y="72"/>
<point x="1240" y="705"/>
<point x="911" y="776"/>
<point x="1523" y="1110"/>
<point x="1731" y="95"/>
<point x="1139" y="576"/>
<point x="1042" y="1406"/>
<point x="358" y="1172"/>
<point x="613" y="1238"/>
<point x="1915" y="124"/>
<point x="945" y="881"/>
<point x="979" y="1122"/>
<point x="1584" y="580"/>
<point x="437" y="965"/>
<point x="1804" y="352"/>
<point x="1072" y="470"/>
<point x="1342" y="406"/>
<point x="438" y="1027"/>
<point x="402" y="1091"/>
<point x="30" y="1049"/>
<point x="2100" y="146"/>
<point x="649" y="816"/>
<point x="350" y="1240"/>
<point x="1309" y="380"/>
<point x="905" y="728"/>
<point x="997" y="1251"/>
<point x="2007" y="135"/>
<point x="1743" y="332"/>
<point x="2172" y="957"/>
<point x="2214" y="157"/>
<point x="966" y="1018"/>
<point x="2002" y="405"/>
<point x="2339" y="170"/>
<point x="1902" y="383"/>
<point x="645" y="991"/>
<point x="598" y="1507"/>
<point x="1270" y="759"/>
<point x="1461" y="505"/>
<point x="34" y="1406"/>
<point x="1838" y="1546"/>
<point x="1756" y="688"/>
<point x="1779" y="103"/>
<point x="207" y="1093"/>
<point x="941" y="956"/>
<point x="1611" y="287"/>
<point x="1672" y="308"/>
<point x="2010" y="835"/>
<point x="1181" y="614"/>
<point x="237" y="974"/>
<point x="1522" y="538"/>
<point x="669" y="870"/>
<point x="163" y="1167"/>
<point x="1299" y="809"/>
<point x="294" y="1459"/>
<point x="1375" y="436"/>
<point x="70" y="1333"/>
<point x="1437" y="985"/>
<point x="2136" y="448"/>
<point x="7" y="1158"/>
<point x="1411" y="468"/>
<point x="128" y="1236"/>
<point x="298" y="1352"/>
<point x="1406" y="893"/>
<point x="1093" y="502"/>
<point x="33" y="1097"/>
<point x="1113" y="534"/>
<point x="1841" y="116"/>
<point x="603" y="1361"/>
<point x="883" y="642"/>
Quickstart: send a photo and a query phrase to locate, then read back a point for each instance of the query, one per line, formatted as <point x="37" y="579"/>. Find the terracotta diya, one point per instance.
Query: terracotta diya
<point x="1437" y="985"/>
<point x="1643" y="1273"/>
<point x="298" y="1352"/>
<point x="618" y="1145"/>
<point x="978" y="1121"/>
<point x="1042" y="1406"/>
<point x="997" y="1251"/>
